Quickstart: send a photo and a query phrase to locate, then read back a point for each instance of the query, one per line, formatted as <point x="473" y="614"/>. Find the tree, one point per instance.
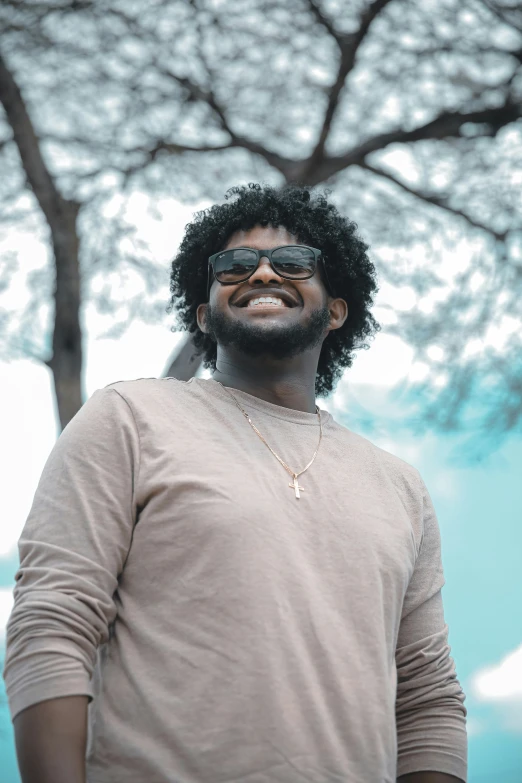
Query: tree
<point x="410" y="113"/>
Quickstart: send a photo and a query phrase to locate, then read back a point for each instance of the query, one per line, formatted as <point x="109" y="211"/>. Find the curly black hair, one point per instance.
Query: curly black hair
<point x="315" y="222"/>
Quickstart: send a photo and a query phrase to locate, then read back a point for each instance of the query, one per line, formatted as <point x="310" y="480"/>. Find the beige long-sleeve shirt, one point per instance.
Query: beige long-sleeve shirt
<point x="225" y="630"/>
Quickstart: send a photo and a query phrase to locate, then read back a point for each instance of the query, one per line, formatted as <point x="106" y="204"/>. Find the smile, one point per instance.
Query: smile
<point x="266" y="301"/>
<point x="267" y="297"/>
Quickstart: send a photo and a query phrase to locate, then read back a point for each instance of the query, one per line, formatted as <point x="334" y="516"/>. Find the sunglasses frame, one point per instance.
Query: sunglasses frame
<point x="318" y="258"/>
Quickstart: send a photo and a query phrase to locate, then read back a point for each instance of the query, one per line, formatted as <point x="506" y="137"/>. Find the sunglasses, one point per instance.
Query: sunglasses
<point x="293" y="262"/>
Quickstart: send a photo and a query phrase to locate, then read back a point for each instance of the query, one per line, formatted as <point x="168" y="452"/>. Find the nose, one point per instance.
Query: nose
<point x="264" y="273"/>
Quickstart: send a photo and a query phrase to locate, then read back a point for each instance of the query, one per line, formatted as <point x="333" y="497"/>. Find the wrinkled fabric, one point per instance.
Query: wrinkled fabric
<point x="222" y="629"/>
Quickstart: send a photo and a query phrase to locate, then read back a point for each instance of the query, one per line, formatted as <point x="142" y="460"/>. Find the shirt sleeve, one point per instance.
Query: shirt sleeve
<point x="430" y="712"/>
<point x="72" y="549"/>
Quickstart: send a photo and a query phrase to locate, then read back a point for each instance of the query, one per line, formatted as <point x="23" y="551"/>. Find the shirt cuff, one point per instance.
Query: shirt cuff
<point x="433" y="761"/>
<point x="48" y="677"/>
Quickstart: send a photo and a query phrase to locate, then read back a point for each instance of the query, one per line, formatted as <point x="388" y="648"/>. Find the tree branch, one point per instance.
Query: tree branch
<point x="28" y="144"/>
<point x="61" y="216"/>
<point x="207" y="96"/>
<point x="349" y="46"/>
<point x="438" y="202"/>
<point x="324" y="21"/>
<point x="284" y="165"/>
<point x="446" y="125"/>
<point x="151" y="153"/>
<point x="502" y="13"/>
<point x="185" y="362"/>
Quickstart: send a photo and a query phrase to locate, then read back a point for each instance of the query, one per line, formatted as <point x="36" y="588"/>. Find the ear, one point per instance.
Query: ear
<point x="201" y="315"/>
<point x="338" y="313"/>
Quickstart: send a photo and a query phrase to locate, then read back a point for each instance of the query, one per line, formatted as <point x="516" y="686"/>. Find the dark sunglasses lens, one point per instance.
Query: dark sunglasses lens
<point x="232" y="265"/>
<point x="294" y="262"/>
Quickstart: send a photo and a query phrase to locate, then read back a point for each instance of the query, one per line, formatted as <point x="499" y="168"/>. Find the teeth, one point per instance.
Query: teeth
<point x="265" y="300"/>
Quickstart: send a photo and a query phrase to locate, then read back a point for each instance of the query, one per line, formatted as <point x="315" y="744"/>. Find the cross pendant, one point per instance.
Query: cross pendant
<point x="295" y="485"/>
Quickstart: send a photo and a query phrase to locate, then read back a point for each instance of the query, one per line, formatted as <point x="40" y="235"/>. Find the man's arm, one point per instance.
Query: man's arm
<point x="51" y="740"/>
<point x="429" y="707"/>
<point x="72" y="550"/>
<point x="427" y="777"/>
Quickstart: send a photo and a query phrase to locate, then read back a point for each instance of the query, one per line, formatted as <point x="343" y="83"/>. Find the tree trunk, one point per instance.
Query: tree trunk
<point x="185" y="361"/>
<point x="61" y="216"/>
<point x="66" y="363"/>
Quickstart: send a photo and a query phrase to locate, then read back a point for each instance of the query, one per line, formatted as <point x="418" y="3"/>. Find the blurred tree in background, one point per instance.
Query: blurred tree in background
<point x="410" y="113"/>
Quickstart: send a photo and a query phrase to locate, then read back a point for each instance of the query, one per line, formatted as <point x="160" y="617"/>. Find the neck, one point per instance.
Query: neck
<point x="288" y="383"/>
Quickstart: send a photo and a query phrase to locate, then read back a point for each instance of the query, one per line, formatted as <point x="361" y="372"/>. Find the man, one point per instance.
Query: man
<point x="218" y="582"/>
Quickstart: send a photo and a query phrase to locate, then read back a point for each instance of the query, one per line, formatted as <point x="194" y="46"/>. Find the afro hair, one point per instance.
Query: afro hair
<point x="309" y="217"/>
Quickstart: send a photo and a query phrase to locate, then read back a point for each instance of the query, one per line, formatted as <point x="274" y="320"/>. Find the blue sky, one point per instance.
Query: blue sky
<point x="479" y="510"/>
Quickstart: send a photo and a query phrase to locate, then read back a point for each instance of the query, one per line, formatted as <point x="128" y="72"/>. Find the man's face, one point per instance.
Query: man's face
<point x="280" y="332"/>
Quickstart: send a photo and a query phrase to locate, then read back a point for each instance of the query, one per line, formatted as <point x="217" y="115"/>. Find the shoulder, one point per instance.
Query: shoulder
<point x="146" y="388"/>
<point x="147" y="400"/>
<point x="145" y="392"/>
<point x="379" y="463"/>
<point x="385" y="472"/>
<point x="396" y="466"/>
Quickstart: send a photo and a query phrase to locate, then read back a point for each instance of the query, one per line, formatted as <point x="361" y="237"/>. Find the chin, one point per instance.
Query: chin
<point x="266" y="337"/>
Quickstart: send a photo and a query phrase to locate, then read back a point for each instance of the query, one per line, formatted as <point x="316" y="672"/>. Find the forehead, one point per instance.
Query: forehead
<point x="261" y="238"/>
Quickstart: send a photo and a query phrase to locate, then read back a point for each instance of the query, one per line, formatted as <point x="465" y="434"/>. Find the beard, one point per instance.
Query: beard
<point x="274" y="341"/>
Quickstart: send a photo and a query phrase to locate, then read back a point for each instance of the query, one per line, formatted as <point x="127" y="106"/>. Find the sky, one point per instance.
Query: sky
<point x="478" y="506"/>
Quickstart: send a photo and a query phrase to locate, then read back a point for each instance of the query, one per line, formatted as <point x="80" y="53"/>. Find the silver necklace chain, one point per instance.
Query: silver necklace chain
<point x="295" y="484"/>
